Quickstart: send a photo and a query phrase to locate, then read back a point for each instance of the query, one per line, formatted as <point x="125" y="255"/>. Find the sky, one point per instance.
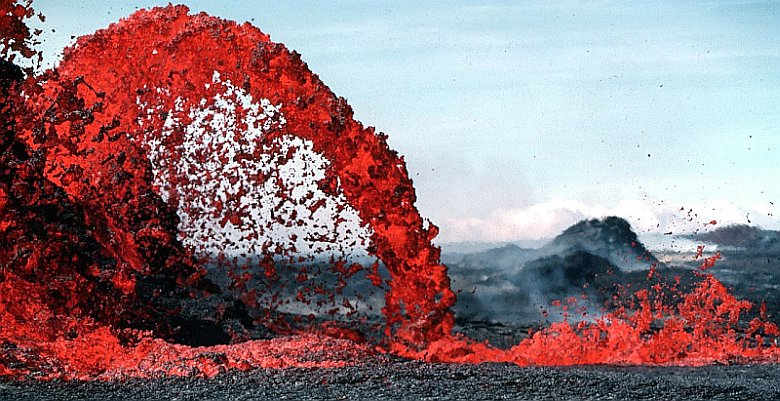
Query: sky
<point x="517" y="119"/>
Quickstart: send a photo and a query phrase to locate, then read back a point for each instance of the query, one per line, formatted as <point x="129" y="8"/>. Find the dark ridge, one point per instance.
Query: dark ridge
<point x="742" y="236"/>
<point x="507" y="256"/>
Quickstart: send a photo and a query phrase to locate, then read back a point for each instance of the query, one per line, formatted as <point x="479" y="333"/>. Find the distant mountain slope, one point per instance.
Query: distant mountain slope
<point x="610" y="238"/>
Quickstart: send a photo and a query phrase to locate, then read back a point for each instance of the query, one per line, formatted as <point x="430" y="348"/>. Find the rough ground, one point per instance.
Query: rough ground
<point x="386" y="378"/>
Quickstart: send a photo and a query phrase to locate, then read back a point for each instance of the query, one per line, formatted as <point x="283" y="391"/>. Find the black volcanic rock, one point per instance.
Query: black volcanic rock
<point x="390" y="378"/>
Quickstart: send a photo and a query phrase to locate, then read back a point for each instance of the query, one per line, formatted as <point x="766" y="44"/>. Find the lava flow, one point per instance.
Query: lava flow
<point x="176" y="171"/>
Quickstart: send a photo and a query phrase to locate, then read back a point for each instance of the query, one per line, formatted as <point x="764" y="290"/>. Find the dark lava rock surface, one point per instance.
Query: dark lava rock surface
<point x="392" y="378"/>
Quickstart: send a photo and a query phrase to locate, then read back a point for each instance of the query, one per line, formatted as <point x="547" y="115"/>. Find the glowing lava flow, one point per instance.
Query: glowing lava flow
<point x="702" y="328"/>
<point x="169" y="139"/>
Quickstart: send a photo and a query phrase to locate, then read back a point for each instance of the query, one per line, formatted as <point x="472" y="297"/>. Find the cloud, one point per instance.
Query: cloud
<point x="548" y="219"/>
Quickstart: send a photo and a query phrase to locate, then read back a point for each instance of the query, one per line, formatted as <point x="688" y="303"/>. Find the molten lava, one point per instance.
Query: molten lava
<point x="171" y="152"/>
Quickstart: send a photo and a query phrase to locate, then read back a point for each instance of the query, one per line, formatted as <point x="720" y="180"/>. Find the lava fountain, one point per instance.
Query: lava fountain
<point x="175" y="157"/>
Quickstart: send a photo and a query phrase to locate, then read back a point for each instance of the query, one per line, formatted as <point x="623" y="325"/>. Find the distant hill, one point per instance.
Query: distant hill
<point x="515" y="283"/>
<point x="742" y="237"/>
<point x="610" y="238"/>
<point x="506" y="257"/>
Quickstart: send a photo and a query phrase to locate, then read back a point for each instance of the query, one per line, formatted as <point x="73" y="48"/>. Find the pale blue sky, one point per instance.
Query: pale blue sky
<point x="518" y="118"/>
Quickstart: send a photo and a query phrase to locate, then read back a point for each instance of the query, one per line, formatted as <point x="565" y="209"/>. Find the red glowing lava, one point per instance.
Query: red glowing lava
<point x="170" y="142"/>
<point x="701" y="328"/>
